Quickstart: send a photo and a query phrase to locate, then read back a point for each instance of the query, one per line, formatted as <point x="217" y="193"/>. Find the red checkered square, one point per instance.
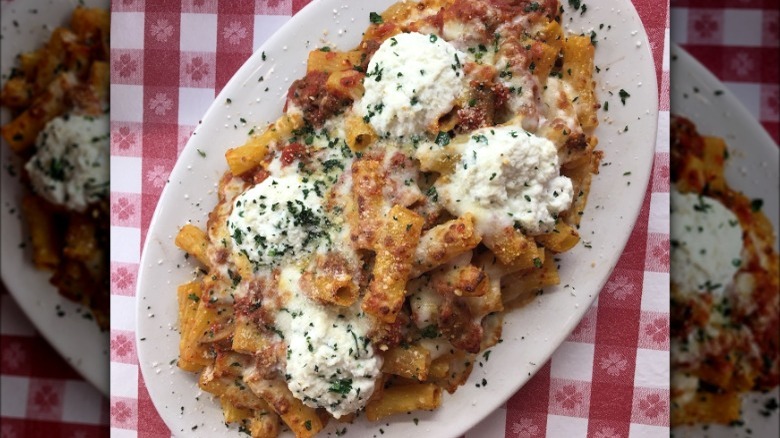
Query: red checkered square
<point x="127" y="66"/>
<point x="155" y="175"/>
<point x="623" y="289"/>
<point x="161" y="32"/>
<point x="185" y="132"/>
<point x="126" y="209"/>
<point x="44" y="399"/>
<point x="123" y="347"/>
<point x="661" y="173"/>
<point x="532" y="397"/>
<point x="770" y="102"/>
<point x="234" y="33"/>
<point x="161" y="104"/>
<point x="770" y="32"/>
<point x="705" y="26"/>
<point x="654" y="331"/>
<point x="149" y="422"/>
<point x="124" y="413"/>
<point x="742" y="64"/>
<point x="664" y="104"/>
<point x="126" y="139"/>
<point x="198" y="69"/>
<point x="586" y="329"/>
<point x="526" y="424"/>
<point x="128" y="6"/>
<point x="200" y="6"/>
<point x="273" y="7"/>
<point x="569" y="397"/>
<point x="657" y="252"/>
<point x="650" y="406"/>
<point x="123" y="278"/>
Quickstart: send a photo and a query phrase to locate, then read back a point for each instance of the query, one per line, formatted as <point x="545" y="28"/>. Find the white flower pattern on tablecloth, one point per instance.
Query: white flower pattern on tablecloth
<point x="620" y="287"/>
<point x="234" y="33"/>
<point x="162" y="30"/>
<point x="157" y="176"/>
<point x="121" y="345"/>
<point x="197" y="68"/>
<point x="773" y="102"/>
<point x="8" y="431"/>
<point x="46" y="399"/>
<point x="13" y="355"/>
<point x="653" y="405"/>
<point x="122" y="209"/>
<point x="569" y="397"/>
<point x="127" y="65"/>
<point x="124" y="138"/>
<point x="705" y="26"/>
<point x="525" y="428"/>
<point x="160" y="104"/>
<point x="120" y="412"/>
<point x="614" y="364"/>
<point x="122" y="278"/>
<point x="742" y="64"/>
<point x="607" y="432"/>
<point x="658" y="330"/>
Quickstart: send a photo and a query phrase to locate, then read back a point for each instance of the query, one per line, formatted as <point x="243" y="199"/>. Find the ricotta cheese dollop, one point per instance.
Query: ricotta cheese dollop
<point x="412" y="80"/>
<point x="507" y="177"/>
<point x="277" y="220"/>
<point x="706" y="243"/>
<point x="71" y="164"/>
<point x="330" y="361"/>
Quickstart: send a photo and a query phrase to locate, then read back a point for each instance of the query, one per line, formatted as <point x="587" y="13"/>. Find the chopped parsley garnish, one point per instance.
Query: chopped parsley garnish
<point x="375" y="18"/>
<point x="442" y="138"/>
<point x="341" y="386"/>
<point x="623" y="96"/>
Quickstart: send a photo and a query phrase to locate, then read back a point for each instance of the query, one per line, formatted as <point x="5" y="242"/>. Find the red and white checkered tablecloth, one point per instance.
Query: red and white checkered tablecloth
<point x="169" y="59"/>
<point x="42" y="396"/>
<point x="738" y="41"/>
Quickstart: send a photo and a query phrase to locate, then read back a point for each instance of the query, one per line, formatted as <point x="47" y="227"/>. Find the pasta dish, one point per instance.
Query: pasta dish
<point x="365" y="245"/>
<point x="725" y="302"/>
<point x="58" y="97"/>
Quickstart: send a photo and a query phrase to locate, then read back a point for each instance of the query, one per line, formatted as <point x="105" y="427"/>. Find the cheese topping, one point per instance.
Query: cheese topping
<point x="277" y="220"/>
<point x="412" y="80"/>
<point x="706" y="251"/>
<point x="70" y="167"/>
<point x="508" y="177"/>
<point x="330" y="360"/>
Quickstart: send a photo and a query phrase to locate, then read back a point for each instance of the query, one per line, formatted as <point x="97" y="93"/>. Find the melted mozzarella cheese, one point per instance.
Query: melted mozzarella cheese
<point x="507" y="177"/>
<point x="330" y="361"/>
<point x="412" y="80"/>
<point x="70" y="166"/>
<point x="706" y="244"/>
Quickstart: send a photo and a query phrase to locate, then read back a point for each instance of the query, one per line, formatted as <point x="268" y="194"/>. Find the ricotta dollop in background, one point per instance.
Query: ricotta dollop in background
<point x="706" y="243"/>
<point x="412" y="80"/>
<point x="508" y="177"/>
<point x="70" y="166"/>
<point x="330" y="361"/>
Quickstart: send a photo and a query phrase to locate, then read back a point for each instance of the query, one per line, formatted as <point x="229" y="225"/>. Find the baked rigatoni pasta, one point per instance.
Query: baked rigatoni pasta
<point x="58" y="99"/>
<point x="364" y="246"/>
<point x="725" y="291"/>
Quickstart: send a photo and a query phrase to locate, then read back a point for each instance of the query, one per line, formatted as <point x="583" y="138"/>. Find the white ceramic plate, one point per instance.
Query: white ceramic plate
<point x="24" y="26"/>
<point x="751" y="168"/>
<point x="530" y="335"/>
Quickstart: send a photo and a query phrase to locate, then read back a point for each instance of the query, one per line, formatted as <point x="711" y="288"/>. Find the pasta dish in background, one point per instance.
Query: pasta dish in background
<point x="58" y="97"/>
<point x="365" y="245"/>
<point x="725" y="302"/>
